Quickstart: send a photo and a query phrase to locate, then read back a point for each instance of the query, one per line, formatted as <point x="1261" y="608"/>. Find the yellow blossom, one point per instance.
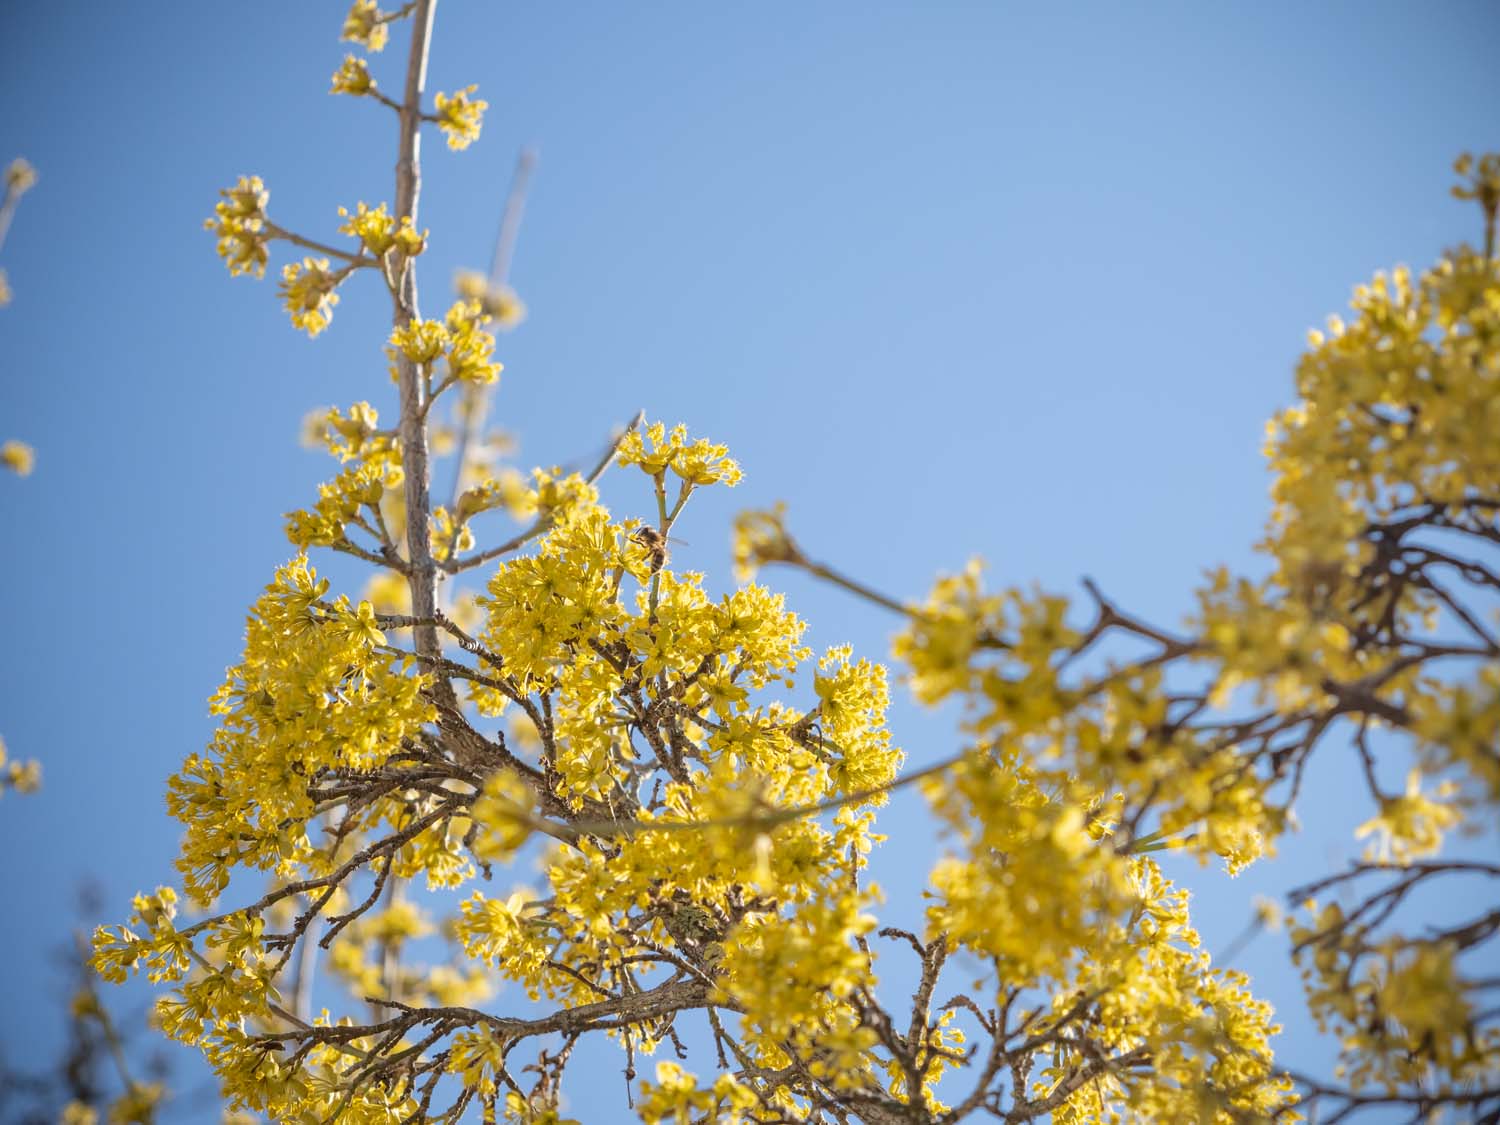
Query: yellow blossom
<point x="1409" y="826"/>
<point x="497" y="301"/>
<point x="18" y="457"/>
<point x="459" y="118"/>
<point x="239" y="223"/>
<point x="352" y="77"/>
<point x="421" y="341"/>
<point x="307" y="292"/>
<point x="407" y="240"/>
<point x="366" y="25"/>
<point x="374" y="227"/>
<point x="23" y="777"/>
<point x="20" y="176"/>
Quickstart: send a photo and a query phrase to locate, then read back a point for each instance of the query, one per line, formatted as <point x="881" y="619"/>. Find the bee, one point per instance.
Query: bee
<point x="654" y="543"/>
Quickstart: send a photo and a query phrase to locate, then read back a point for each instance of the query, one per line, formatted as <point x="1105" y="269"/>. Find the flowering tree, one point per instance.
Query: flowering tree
<point x="703" y="822"/>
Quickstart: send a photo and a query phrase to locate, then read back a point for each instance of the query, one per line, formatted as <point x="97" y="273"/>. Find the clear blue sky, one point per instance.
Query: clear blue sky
<point x="952" y="278"/>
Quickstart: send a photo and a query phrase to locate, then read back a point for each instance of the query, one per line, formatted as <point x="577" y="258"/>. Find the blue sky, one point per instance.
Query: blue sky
<point x="953" y="279"/>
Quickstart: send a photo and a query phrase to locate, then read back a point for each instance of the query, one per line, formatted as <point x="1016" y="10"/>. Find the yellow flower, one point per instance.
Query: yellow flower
<point x="407" y="240"/>
<point x="388" y="592"/>
<point x="239" y="221"/>
<point x="375" y="228"/>
<point x="20" y="176"/>
<point x="366" y="25"/>
<point x="470" y="348"/>
<point x="352" y="77"/>
<point x="421" y="341"/>
<point x="760" y="537"/>
<point x="137" y="1106"/>
<point x="504" y="815"/>
<point x="83" y="1005"/>
<point x="23" y="777"/>
<point x="657" y="450"/>
<point x="497" y="301"/>
<point x="1424" y="992"/>
<point x="400" y="922"/>
<point x="307" y="291"/>
<point x="1410" y="826"/>
<point x="18" y="457"/>
<point x="314" y="432"/>
<point x="675" y="1097"/>
<point x="459" y="118"/>
<point x="478" y="1055"/>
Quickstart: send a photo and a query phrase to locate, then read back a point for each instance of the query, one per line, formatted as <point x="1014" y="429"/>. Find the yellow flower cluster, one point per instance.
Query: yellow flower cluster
<point x="164" y="951"/>
<point x="760" y="538"/>
<point x="460" y="337"/>
<point x="378" y="231"/>
<point x="317" y="689"/>
<point x="1460" y="723"/>
<point x="1038" y="891"/>
<point x="1397" y="402"/>
<point x="541" y="608"/>
<point x="1005" y="654"/>
<point x="478" y="1056"/>
<point x="508" y="491"/>
<point x="355" y="437"/>
<point x="470" y="347"/>
<point x="139" y="1105"/>
<point x="421" y="341"/>
<point x="239" y="222"/>
<point x="18" y="457"/>
<point x="307" y="291"/>
<point x="1412" y="825"/>
<point x="851" y="739"/>
<point x="551" y="498"/>
<point x="23" y="777"/>
<point x="366" y="494"/>
<point x="1399" y="412"/>
<point x="675" y="1099"/>
<point x="20" y="176"/>
<point x="657" y="450"/>
<point x="1029" y="867"/>
<point x="459" y="117"/>
<point x="366" y="25"/>
<point x="352" y="77"/>
<point x="1400" y="1007"/>
<point x="339" y="504"/>
<point x="792" y="977"/>
<point x="503" y="815"/>
<point x="497" y="301"/>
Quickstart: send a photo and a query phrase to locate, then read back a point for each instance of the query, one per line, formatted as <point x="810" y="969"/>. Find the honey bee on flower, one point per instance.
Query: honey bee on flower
<point x="654" y="543"/>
